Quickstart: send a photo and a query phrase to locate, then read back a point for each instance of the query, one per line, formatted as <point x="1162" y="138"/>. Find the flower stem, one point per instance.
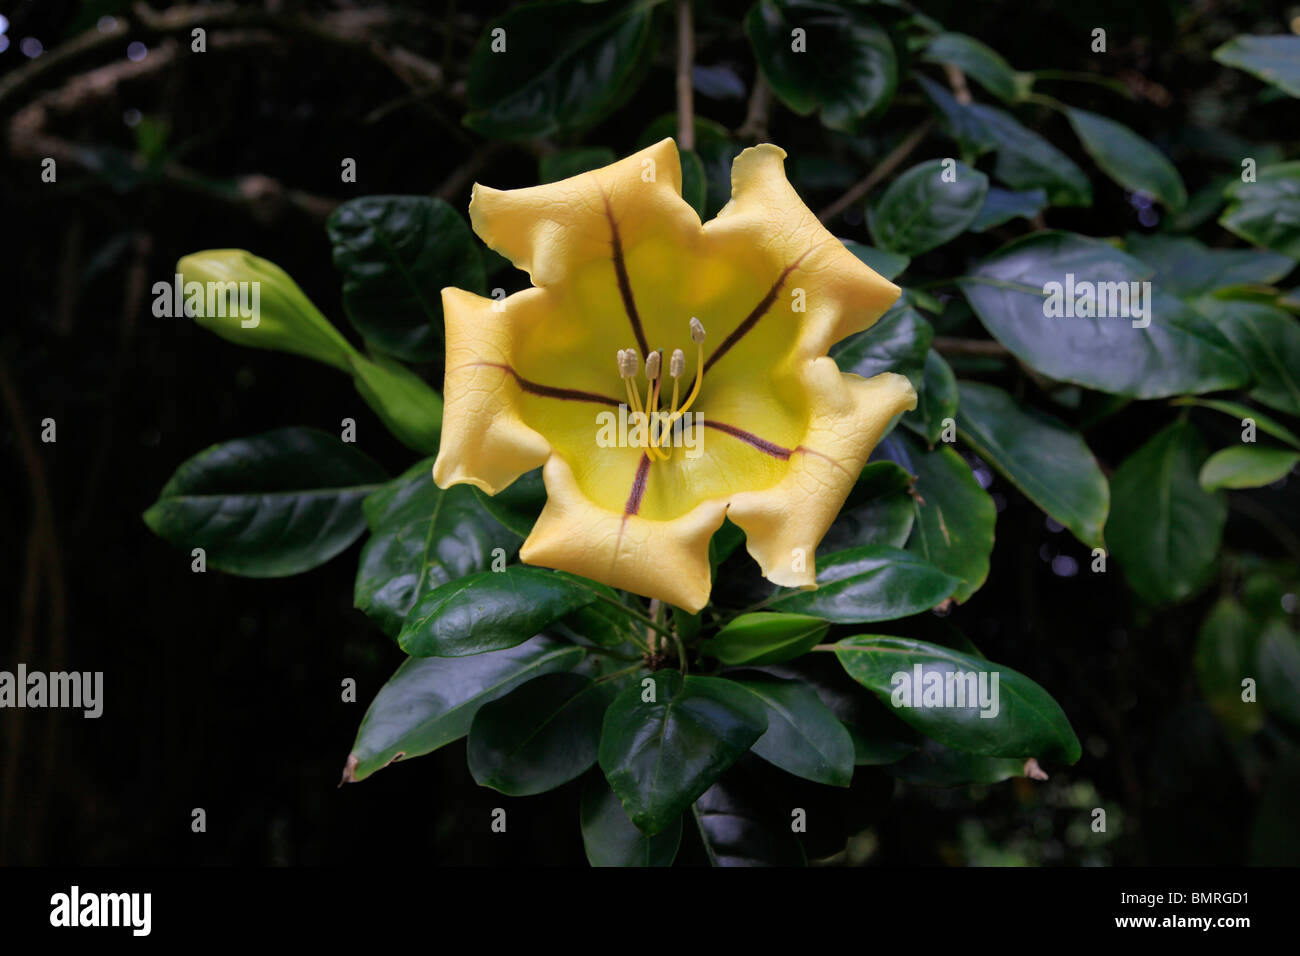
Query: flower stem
<point x="635" y="615"/>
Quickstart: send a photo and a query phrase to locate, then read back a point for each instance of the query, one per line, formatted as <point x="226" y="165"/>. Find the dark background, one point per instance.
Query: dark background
<point x="224" y="693"/>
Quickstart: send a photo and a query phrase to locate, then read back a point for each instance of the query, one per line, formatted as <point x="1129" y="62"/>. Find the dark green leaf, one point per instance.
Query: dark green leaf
<point x="848" y="69"/>
<point x="936" y="400"/>
<point x="898" y="342"/>
<point x="422" y="537"/>
<point x="1003" y="205"/>
<point x="518" y="504"/>
<point x="1274" y="59"/>
<point x="489" y="611"/>
<point x="540" y="735"/>
<point x="935" y="765"/>
<point x="1024" y="292"/>
<point x="1025" y="720"/>
<point x="740" y="827"/>
<point x="964" y="125"/>
<point x="1185" y="267"/>
<point x="765" y="638"/>
<point x="871" y="583"/>
<point x="395" y="253"/>
<point x="1225" y="656"/>
<point x="1027" y="161"/>
<point x="268" y="506"/>
<point x="1267" y="211"/>
<point x="803" y="737"/>
<point x="986" y="66"/>
<point x="695" y="184"/>
<point x="1042" y="457"/>
<point x="567" y="163"/>
<point x="1246" y="466"/>
<point x="927" y="206"/>
<point x="890" y="265"/>
<point x="660" y="755"/>
<point x="1128" y="159"/>
<point x="1279" y="673"/>
<point x="431" y="701"/>
<point x="611" y="839"/>
<point x="1242" y="413"/>
<point x="878" y="510"/>
<point x="716" y="149"/>
<point x="564" y="67"/>
<point x="1268" y="340"/>
<point x="1164" y="529"/>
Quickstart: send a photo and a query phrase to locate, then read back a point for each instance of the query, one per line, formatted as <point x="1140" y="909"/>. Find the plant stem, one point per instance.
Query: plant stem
<point x="685" y="58"/>
<point x="635" y="615"/>
<point x="887" y="165"/>
<point x="617" y="674"/>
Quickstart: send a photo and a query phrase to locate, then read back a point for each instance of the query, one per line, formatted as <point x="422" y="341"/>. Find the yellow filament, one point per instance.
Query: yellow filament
<point x="651" y="406"/>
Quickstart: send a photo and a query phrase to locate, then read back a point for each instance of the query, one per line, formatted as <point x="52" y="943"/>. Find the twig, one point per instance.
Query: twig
<point x="957" y="80"/>
<point x="946" y="345"/>
<point x="468" y="171"/>
<point x="760" y="103"/>
<point x="887" y="165"/>
<point x="685" y="59"/>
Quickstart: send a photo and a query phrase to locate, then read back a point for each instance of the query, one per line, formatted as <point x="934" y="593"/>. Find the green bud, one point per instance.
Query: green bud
<point x="253" y="302"/>
<point x="410" y="409"/>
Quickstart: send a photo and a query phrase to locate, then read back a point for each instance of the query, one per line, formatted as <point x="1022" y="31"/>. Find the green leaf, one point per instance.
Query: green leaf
<point x="890" y="265"/>
<point x="695" y="184"/>
<point x="802" y="737"/>
<point x="395" y="254"/>
<point x="1026" y="721"/>
<point x="927" y="206"/>
<point x="871" y="583"/>
<point x="1127" y="158"/>
<point x="1267" y="211"/>
<point x="1243" y="412"/>
<point x="1274" y="59"/>
<point x="935" y="765"/>
<point x="1003" y="205"/>
<point x="739" y="827"/>
<point x="878" y="510"/>
<point x="1027" y="161"/>
<point x="936" y="400"/>
<point x="1021" y="293"/>
<point x="966" y="128"/>
<point x="565" y="66"/>
<point x="269" y="506"/>
<point x="898" y="342"/>
<point x="954" y="514"/>
<point x="1279" y="673"/>
<point x="431" y="701"/>
<point x="983" y="64"/>
<point x="1225" y="656"/>
<point x="1164" y="529"/>
<point x="1186" y="267"/>
<point x="611" y="839"/>
<point x="1042" y="457"/>
<point x="404" y="402"/>
<point x="716" y="149"/>
<point x="765" y="638"/>
<point x="489" y="611"/>
<point x="421" y="538"/>
<point x="1246" y="466"/>
<point x="518" y="504"/>
<point x="539" y="736"/>
<point x="848" y="70"/>
<point x="1268" y="340"/>
<point x="660" y="755"/>
<point x="567" y="163"/>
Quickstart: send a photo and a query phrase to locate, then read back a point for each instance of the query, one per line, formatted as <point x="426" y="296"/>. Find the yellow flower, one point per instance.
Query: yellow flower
<point x="624" y="274"/>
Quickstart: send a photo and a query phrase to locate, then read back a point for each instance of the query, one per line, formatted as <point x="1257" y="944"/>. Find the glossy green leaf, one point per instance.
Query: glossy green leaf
<point x="660" y="755"/>
<point x="936" y="400"/>
<point x="954" y="514"/>
<point x="1226" y="651"/>
<point x="1267" y="211"/>
<point x="878" y="510"/>
<point x="1020" y="294"/>
<point x="518" y="504"/>
<point x="489" y="611"/>
<point x="1025" y="720"/>
<point x="540" y="735"/>
<point x="803" y="737"/>
<point x="611" y="839"/>
<point x="848" y="69"/>
<point x="269" y="506"/>
<point x="695" y="184"/>
<point x="567" y="163"/>
<point x="1243" y="414"/>
<point x="1246" y="466"/>
<point x="1274" y="59"/>
<point x="564" y="67"/>
<point x="890" y="265"/>
<point x="935" y="765"/>
<point x="871" y="583"/>
<point x="739" y="827"/>
<point x="962" y="123"/>
<point x="898" y="342"/>
<point x="1186" y="267"/>
<point x="980" y="62"/>
<point x="1164" y="529"/>
<point x="928" y="205"/>
<point x="409" y="408"/>
<point x="395" y="254"/>
<point x="1040" y="455"/>
<point x="1027" y="161"/>
<point x="1279" y="673"/>
<point x="716" y="149"/>
<point x="1127" y="158"/>
<point x="421" y="537"/>
<point x="1268" y="341"/>
<point x="431" y="701"/>
<point x="1003" y="205"/>
<point x="765" y="638"/>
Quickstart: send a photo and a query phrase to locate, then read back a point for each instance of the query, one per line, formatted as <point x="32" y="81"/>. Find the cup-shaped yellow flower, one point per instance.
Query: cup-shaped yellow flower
<point x="718" y="330"/>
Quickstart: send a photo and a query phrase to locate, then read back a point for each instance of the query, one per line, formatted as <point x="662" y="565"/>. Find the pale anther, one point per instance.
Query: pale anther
<point x="697" y="330"/>
<point x="677" y="363"/>
<point x="652" y="364"/>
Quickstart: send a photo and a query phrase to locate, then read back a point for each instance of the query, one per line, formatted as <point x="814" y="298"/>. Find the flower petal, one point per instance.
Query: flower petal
<point x="784" y="523"/>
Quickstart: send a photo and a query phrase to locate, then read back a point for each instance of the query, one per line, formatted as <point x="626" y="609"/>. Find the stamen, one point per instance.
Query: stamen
<point x="653" y="362"/>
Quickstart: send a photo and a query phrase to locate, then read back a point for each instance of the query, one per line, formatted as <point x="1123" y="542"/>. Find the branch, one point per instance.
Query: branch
<point x="760" y="104"/>
<point x="887" y="165"/>
<point x="685" y="58"/>
<point x="946" y="345"/>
